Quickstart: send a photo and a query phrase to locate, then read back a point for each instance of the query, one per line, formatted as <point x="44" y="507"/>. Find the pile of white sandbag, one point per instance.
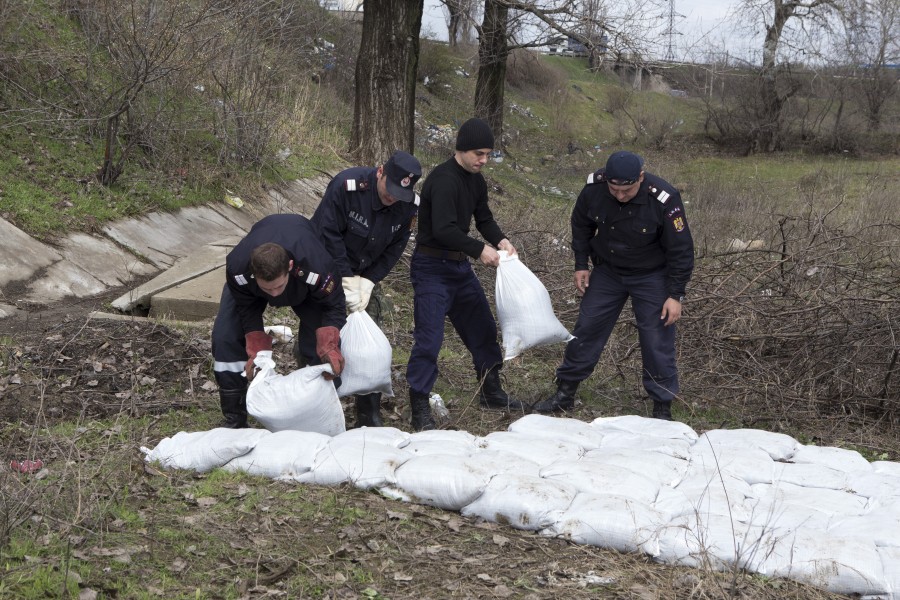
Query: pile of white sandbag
<point x="751" y="498"/>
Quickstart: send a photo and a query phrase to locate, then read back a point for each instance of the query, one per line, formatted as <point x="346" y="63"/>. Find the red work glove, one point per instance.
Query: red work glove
<point x="256" y="341"/>
<point x="328" y="349"/>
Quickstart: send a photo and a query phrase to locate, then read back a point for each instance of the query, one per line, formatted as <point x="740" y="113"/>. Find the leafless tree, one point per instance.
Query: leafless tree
<point x="386" y="79"/>
<point x="774" y="86"/>
<point x="870" y="45"/>
<point x="460" y="17"/>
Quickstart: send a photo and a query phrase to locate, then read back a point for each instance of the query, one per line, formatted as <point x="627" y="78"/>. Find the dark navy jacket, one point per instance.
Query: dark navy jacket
<point x="364" y="236"/>
<point x="313" y="278"/>
<point x="646" y="234"/>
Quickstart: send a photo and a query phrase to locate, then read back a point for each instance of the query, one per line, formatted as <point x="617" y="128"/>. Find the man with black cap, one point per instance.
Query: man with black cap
<point x="365" y="218"/>
<point x="631" y="225"/>
<point x="280" y="262"/>
<point x="444" y="283"/>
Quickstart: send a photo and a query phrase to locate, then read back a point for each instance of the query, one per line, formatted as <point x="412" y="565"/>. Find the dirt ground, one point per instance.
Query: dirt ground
<point x="61" y="367"/>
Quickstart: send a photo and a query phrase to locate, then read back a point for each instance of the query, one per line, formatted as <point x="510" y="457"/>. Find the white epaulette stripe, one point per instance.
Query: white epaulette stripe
<point x="663" y="196"/>
<point x="590" y="179"/>
<point x="312" y="278"/>
<point x="417" y="201"/>
<point x="351" y="185"/>
<point x="240" y="279"/>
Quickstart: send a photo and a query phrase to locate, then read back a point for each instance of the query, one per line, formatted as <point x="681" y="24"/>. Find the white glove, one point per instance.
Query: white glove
<point x="365" y="292"/>
<point x="351" y="292"/>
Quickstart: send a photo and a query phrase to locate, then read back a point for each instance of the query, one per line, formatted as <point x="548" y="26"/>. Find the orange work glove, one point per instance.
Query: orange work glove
<point x="328" y="349"/>
<point x="256" y="341"/>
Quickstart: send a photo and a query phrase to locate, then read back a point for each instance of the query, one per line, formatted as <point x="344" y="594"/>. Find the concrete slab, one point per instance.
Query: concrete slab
<point x="60" y="280"/>
<point x="201" y="261"/>
<point x="165" y="237"/>
<point x="105" y="316"/>
<point x="112" y="265"/>
<point x="192" y="300"/>
<point x="22" y="255"/>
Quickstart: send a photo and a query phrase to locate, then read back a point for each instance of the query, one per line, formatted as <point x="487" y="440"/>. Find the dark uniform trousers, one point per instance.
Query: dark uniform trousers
<point x="448" y="288"/>
<point x="229" y="348"/>
<point x="600" y="308"/>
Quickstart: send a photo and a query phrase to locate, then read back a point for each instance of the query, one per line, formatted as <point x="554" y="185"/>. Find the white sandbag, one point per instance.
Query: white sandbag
<point x="811" y="476"/>
<point x="750" y="464"/>
<point x="285" y="454"/>
<point x="522" y="501"/>
<point x="441" y="480"/>
<point x="350" y="460"/>
<point x="390" y="436"/>
<point x="203" y="451"/>
<point x="839" y="565"/>
<point x="708" y="494"/>
<point x="718" y="542"/>
<point x="890" y="566"/>
<point x="841" y="459"/>
<point x="440" y="441"/>
<point x="524" y="309"/>
<point x="501" y="461"/>
<point x="665" y="469"/>
<point x="778" y="445"/>
<point x="881" y="525"/>
<point x="564" y="428"/>
<point x="833" y="502"/>
<point x="301" y="401"/>
<point x="596" y="477"/>
<point x="879" y="486"/>
<point x="679" y="448"/>
<point x="782" y="518"/>
<point x="886" y="467"/>
<point x="543" y="451"/>
<point x="609" y="521"/>
<point x="645" y="426"/>
<point x="367" y="357"/>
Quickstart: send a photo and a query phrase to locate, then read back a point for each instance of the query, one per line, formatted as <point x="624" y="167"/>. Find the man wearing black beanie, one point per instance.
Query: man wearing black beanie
<point x="444" y="283"/>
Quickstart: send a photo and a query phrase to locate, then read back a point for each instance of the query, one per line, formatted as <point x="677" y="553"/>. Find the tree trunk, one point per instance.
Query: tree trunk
<point x="383" y="116"/>
<point x="492" y="54"/>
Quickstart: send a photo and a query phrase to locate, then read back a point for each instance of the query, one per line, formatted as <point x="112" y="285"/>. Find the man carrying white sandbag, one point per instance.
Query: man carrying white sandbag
<point x="632" y="227"/>
<point x="444" y="283"/>
<point x="281" y="262"/>
<point x="366" y="217"/>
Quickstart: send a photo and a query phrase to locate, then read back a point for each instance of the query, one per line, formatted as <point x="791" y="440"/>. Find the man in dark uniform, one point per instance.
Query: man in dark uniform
<point x="632" y="227"/>
<point x="281" y="262"/>
<point x="443" y="280"/>
<point x="366" y="218"/>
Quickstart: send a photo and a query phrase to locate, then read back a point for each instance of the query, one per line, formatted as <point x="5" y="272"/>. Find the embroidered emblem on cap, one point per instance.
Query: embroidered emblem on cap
<point x="405" y="181"/>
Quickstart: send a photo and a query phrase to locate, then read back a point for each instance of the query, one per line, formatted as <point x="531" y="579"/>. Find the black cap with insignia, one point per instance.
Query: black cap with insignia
<point x="402" y="171"/>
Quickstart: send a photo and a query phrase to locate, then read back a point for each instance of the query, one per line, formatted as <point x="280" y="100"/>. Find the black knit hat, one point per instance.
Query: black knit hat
<point x="474" y="134"/>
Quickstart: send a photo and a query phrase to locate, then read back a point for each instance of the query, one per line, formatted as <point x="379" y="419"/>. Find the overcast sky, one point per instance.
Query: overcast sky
<point x="698" y="23"/>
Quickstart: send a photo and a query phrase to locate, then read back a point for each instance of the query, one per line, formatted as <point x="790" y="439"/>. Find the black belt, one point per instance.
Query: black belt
<point x="438" y="253"/>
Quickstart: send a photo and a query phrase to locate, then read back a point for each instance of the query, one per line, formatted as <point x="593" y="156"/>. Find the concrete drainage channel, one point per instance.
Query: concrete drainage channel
<point x="186" y="250"/>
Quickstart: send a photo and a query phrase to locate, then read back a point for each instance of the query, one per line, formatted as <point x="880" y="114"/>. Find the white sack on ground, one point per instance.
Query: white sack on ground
<point x="572" y="430"/>
<point x="367" y="357"/>
<point x="609" y="521"/>
<point x="543" y="451"/>
<point x="594" y="476"/>
<point x="441" y="480"/>
<point x="717" y="541"/>
<point x="522" y="501"/>
<point x="365" y="465"/>
<point x="285" y="454"/>
<point x="203" y="451"/>
<point x="727" y="503"/>
<point x="300" y="401"/>
<point x="524" y="309"/>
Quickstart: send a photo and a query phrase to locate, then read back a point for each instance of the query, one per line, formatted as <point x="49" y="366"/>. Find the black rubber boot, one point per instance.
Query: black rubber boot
<point x="662" y="410"/>
<point x="421" y="413"/>
<point x="368" y="410"/>
<point x="561" y="401"/>
<point x="492" y="394"/>
<point x="234" y="408"/>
